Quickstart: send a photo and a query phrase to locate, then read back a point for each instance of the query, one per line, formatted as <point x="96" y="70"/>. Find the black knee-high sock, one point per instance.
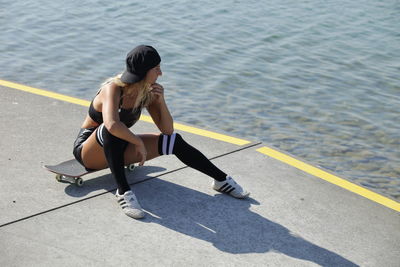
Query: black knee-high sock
<point x="174" y="144"/>
<point x="114" y="149"/>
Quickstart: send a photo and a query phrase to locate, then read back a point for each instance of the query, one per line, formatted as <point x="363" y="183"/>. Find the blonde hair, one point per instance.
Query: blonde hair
<point x="143" y="98"/>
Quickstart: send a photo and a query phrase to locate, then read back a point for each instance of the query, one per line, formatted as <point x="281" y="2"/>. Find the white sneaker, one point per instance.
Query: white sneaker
<point x="130" y="204"/>
<point x="230" y="187"/>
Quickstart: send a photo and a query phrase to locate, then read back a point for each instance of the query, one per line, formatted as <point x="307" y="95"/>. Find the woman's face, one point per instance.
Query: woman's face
<point x="152" y="74"/>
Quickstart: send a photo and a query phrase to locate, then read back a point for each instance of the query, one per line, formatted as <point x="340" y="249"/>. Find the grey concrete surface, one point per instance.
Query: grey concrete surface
<point x="36" y="131"/>
<point x="291" y="219"/>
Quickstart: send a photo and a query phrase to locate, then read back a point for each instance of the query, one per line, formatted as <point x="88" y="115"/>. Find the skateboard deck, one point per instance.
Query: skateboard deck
<point x="71" y="171"/>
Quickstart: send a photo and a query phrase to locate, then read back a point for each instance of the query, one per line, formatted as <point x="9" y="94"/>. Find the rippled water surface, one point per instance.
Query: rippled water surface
<point x="319" y="79"/>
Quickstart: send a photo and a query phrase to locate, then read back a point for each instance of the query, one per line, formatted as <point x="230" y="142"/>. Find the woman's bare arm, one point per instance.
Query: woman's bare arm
<point x="159" y="111"/>
<point x="110" y="98"/>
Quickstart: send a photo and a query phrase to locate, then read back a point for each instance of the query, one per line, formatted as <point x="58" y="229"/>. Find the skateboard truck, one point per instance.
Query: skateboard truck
<point x="67" y="179"/>
<point x="71" y="171"/>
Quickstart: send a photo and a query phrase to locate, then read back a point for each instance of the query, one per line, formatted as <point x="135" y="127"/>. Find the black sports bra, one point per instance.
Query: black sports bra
<point x="127" y="116"/>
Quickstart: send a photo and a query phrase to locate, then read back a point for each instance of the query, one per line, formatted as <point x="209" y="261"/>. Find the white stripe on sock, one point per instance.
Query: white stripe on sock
<point x="99" y="134"/>
<point x="171" y="144"/>
<point x="164" y="144"/>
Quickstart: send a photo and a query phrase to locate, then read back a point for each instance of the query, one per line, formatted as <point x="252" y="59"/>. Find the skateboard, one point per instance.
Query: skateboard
<point x="71" y="171"/>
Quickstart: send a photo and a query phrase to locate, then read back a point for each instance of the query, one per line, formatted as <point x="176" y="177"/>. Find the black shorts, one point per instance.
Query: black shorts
<point x="80" y="139"/>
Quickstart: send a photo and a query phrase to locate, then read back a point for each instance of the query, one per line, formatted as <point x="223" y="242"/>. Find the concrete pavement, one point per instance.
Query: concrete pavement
<point x="291" y="219"/>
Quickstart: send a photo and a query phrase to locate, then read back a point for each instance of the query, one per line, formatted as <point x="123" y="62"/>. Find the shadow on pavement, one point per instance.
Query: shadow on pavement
<point x="106" y="182"/>
<point x="225" y="222"/>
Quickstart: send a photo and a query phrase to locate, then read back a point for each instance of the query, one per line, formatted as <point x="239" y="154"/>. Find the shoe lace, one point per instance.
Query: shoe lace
<point x="131" y="200"/>
<point x="128" y="197"/>
<point x="232" y="181"/>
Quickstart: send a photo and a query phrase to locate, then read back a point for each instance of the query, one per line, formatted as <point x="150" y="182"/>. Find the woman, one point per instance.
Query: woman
<point x="105" y="140"/>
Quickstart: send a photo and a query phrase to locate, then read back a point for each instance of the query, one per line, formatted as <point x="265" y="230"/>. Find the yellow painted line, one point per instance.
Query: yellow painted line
<point x="178" y="126"/>
<point x="330" y="178"/>
<point x="45" y="93"/>
<point x="201" y="132"/>
<point x="213" y="135"/>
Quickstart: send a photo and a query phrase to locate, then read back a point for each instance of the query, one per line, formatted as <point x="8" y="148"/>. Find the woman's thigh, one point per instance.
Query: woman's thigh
<point x="93" y="154"/>
<point x="150" y="142"/>
<point x="94" y="158"/>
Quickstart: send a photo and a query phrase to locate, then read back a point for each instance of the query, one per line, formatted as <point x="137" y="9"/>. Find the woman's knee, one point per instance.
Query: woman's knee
<point x="109" y="139"/>
<point x="166" y="143"/>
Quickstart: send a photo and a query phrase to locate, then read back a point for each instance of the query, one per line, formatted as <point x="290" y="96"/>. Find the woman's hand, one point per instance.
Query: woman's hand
<point x="157" y="91"/>
<point x="141" y="151"/>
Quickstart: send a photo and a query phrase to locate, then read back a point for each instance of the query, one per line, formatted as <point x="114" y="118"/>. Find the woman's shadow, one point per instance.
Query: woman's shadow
<point x="105" y="182"/>
<point x="225" y="222"/>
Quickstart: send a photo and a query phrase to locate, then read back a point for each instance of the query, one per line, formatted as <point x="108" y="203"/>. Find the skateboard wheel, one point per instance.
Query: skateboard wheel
<point x="131" y="167"/>
<point x="59" y="178"/>
<point x="79" y="181"/>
